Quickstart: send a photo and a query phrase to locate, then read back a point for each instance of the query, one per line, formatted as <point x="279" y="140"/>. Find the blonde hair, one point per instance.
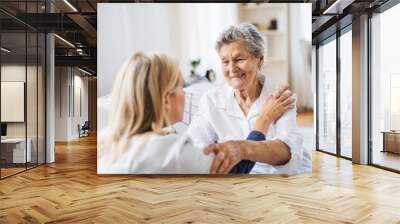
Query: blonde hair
<point x="138" y="98"/>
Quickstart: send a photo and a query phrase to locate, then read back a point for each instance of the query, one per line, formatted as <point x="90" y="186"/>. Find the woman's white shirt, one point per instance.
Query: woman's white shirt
<point x="156" y="154"/>
<point x="220" y="119"/>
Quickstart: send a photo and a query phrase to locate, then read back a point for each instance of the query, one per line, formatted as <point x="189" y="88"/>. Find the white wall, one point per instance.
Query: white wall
<point x="80" y="83"/>
<point x="67" y="117"/>
<point x="84" y="84"/>
<point x="33" y="126"/>
<point x="15" y="72"/>
<point x="61" y="103"/>
<point x="127" y="28"/>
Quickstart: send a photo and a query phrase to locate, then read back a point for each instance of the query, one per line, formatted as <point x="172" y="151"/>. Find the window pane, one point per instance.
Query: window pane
<point x="31" y="97"/>
<point x="41" y="98"/>
<point x="15" y="150"/>
<point x="386" y="89"/>
<point x="346" y="94"/>
<point x="327" y="97"/>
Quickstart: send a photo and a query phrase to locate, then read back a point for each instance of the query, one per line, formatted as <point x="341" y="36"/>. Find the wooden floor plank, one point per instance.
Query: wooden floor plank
<point x="70" y="191"/>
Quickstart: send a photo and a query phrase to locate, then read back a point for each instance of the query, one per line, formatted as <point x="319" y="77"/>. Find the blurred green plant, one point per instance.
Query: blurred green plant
<point x="194" y="64"/>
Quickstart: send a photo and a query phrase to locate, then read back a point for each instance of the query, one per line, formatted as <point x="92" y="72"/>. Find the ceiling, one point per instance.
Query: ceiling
<point x="332" y="15"/>
<point x="76" y="22"/>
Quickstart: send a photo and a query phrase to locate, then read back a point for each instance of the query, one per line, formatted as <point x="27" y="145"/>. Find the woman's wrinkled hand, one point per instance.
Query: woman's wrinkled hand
<point x="275" y="106"/>
<point x="227" y="155"/>
<point x="278" y="104"/>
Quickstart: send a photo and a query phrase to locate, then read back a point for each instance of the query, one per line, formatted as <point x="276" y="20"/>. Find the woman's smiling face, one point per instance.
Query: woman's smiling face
<point x="239" y="66"/>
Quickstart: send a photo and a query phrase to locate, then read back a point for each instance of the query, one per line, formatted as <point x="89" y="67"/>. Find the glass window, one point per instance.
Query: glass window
<point x="346" y="94"/>
<point x="327" y="97"/>
<point x="15" y="150"/>
<point x="31" y="99"/>
<point x="385" y="84"/>
<point x="35" y="52"/>
<point x="41" y="79"/>
<point x="22" y="92"/>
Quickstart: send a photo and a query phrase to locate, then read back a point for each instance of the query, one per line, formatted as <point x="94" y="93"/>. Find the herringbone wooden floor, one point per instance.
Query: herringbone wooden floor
<point x="70" y="191"/>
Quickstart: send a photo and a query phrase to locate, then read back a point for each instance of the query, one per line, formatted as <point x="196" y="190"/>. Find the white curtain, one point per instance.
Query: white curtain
<point x="300" y="54"/>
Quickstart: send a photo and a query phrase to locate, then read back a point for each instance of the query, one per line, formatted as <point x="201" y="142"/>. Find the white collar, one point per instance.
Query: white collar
<point x="229" y="104"/>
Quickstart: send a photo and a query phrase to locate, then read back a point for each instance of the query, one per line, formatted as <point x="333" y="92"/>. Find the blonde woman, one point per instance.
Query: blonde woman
<point x="148" y="97"/>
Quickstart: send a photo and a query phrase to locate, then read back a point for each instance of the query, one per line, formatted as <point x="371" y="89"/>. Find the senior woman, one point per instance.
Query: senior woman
<point x="228" y="114"/>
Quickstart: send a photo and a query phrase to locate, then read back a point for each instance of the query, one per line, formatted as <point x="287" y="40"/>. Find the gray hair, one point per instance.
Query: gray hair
<point x="255" y="41"/>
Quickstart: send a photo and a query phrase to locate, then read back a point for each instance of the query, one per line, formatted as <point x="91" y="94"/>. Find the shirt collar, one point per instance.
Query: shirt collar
<point x="229" y="104"/>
